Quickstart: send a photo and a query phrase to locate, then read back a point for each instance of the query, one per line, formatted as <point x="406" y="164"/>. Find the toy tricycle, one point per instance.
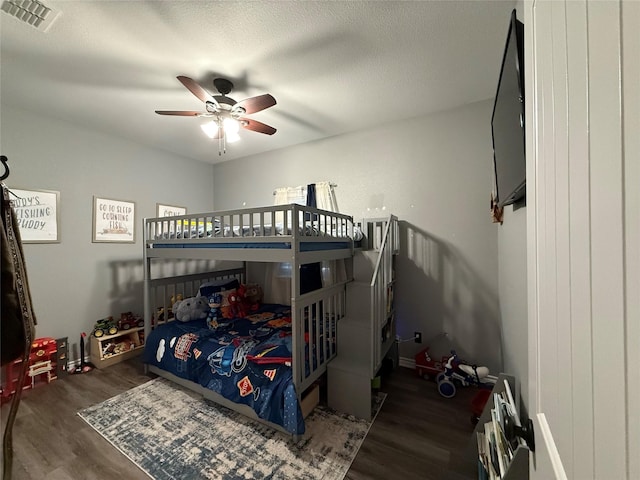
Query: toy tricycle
<point x="458" y="373"/>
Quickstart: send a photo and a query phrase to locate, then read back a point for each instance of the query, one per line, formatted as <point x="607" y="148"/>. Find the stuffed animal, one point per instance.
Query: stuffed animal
<point x="236" y="301"/>
<point x="194" y="308"/>
<point x="252" y="296"/>
<point x="225" y="305"/>
<point x="160" y="310"/>
<point x="215" y="314"/>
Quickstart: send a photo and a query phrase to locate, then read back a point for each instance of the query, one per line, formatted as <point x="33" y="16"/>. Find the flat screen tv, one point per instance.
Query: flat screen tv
<point x="507" y="121"/>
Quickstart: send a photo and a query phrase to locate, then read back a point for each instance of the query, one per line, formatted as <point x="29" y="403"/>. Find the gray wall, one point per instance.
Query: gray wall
<point x="434" y="173"/>
<point x="512" y="260"/>
<point x="76" y="282"/>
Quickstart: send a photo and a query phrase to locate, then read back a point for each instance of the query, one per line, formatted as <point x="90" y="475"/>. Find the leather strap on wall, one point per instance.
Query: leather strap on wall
<point x="17" y="320"/>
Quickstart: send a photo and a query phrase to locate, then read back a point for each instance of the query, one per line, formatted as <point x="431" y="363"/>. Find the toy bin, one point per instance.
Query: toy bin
<point x="478" y="403"/>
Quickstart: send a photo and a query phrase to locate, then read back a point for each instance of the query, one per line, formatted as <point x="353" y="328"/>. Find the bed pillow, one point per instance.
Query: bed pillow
<point x="209" y="288"/>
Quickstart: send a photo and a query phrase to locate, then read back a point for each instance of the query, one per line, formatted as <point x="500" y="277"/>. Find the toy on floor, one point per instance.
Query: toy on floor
<point x="459" y="373"/>
<point x="427" y="366"/>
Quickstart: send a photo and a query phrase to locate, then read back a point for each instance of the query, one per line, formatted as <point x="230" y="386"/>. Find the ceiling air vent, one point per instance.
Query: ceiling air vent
<point x="31" y="12"/>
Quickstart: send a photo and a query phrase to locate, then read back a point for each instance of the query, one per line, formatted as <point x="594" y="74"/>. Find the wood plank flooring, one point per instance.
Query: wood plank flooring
<point x="415" y="435"/>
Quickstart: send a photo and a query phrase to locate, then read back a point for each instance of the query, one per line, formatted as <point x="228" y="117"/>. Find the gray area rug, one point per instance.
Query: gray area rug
<point x="172" y="433"/>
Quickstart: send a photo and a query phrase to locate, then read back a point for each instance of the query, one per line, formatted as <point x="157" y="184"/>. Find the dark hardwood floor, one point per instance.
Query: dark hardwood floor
<point x="417" y="434"/>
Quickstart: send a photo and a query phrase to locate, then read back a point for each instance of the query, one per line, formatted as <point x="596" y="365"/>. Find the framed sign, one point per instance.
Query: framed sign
<point x="113" y="220"/>
<point x="169" y="210"/>
<point x="38" y="215"/>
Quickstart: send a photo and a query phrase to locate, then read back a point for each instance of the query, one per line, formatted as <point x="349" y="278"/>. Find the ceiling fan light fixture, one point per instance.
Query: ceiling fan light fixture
<point x="210" y="129"/>
<point x="231" y="126"/>
<point x="231" y="137"/>
<point x="226" y="114"/>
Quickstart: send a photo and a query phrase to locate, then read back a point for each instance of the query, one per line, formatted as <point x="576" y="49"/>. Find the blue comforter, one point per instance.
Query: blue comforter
<point x="246" y="360"/>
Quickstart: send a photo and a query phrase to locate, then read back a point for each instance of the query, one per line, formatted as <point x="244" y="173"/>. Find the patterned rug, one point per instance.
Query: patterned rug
<point x="172" y="433"/>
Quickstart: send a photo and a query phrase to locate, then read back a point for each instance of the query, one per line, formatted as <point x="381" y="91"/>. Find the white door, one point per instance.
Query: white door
<point x="583" y="229"/>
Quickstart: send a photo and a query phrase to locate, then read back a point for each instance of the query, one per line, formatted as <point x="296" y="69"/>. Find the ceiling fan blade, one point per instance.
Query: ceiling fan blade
<point x="256" y="126"/>
<point x="256" y="104"/>
<point x="197" y="90"/>
<point x="182" y="113"/>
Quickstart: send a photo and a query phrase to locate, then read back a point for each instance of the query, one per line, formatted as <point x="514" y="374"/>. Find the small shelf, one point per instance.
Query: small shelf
<point x="508" y="467"/>
<point x="111" y="349"/>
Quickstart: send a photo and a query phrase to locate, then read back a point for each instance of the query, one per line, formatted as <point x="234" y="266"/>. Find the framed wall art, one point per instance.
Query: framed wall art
<point x="113" y="220"/>
<point x="169" y="210"/>
<point x="38" y="214"/>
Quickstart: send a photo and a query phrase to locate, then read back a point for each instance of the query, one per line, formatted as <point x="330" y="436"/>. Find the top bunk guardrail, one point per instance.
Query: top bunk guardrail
<point x="280" y="223"/>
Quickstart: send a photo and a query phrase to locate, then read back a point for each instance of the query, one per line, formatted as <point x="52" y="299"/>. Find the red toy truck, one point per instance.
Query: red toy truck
<point x="428" y="367"/>
<point x="129" y="320"/>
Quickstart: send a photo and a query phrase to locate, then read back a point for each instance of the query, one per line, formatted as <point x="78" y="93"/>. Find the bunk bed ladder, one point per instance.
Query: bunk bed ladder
<point x="367" y="332"/>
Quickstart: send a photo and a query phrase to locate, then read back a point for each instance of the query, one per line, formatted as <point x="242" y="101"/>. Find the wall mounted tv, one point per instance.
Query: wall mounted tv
<point x="507" y="121"/>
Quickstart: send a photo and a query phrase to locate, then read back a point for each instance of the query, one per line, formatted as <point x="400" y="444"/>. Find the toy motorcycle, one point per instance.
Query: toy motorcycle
<point x="458" y="373"/>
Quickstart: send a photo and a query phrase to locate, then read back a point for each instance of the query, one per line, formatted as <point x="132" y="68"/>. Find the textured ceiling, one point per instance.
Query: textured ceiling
<point x="333" y="66"/>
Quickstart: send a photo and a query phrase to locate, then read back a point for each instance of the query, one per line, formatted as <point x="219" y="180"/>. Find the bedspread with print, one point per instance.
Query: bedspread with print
<point x="246" y="360"/>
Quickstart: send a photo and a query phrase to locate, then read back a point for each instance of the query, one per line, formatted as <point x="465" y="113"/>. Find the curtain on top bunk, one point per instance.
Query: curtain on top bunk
<point x="277" y="288"/>
<point x="310" y="273"/>
<point x="333" y="271"/>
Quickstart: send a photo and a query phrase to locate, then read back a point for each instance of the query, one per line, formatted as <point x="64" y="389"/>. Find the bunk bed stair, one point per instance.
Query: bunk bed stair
<point x="366" y="334"/>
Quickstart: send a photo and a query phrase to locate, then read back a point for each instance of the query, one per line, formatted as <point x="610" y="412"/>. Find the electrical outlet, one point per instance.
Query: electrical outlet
<point x="417" y="337"/>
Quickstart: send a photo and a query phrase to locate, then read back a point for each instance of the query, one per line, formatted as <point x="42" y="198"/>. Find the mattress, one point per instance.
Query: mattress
<point x="246" y="360"/>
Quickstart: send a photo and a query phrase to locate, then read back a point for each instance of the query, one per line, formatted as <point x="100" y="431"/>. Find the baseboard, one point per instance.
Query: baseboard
<point x="407" y="362"/>
<point x="74" y="363"/>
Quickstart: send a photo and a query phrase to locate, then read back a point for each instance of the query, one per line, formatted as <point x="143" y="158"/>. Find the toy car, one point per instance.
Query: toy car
<point x="129" y="320"/>
<point x="428" y="367"/>
<point x="105" y="326"/>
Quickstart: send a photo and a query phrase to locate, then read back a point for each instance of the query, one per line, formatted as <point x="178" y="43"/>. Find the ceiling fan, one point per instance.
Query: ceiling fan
<point x="226" y="114"/>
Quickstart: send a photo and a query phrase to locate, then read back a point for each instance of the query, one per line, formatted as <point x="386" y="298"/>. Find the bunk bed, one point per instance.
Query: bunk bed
<point x="260" y="364"/>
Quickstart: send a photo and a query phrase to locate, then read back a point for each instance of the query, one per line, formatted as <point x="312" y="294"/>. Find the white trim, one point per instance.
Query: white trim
<point x="552" y="450"/>
<point x="630" y="17"/>
<point x="74" y="363"/>
<point x="407" y="362"/>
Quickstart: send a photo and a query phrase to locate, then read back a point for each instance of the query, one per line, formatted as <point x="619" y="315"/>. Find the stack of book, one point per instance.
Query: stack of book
<point x="498" y="442"/>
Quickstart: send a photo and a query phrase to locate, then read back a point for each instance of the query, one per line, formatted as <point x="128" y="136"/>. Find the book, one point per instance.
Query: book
<point x="492" y="453"/>
<point x="498" y="447"/>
